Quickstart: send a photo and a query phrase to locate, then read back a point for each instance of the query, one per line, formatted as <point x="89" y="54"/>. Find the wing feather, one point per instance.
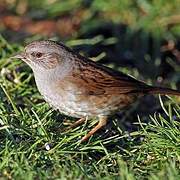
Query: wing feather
<point x="97" y="80"/>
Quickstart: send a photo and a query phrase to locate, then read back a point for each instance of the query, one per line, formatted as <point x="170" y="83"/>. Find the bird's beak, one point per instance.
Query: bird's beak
<point x="21" y="55"/>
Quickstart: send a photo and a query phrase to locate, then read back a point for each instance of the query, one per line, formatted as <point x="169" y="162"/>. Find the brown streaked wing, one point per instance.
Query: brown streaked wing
<point x="96" y="80"/>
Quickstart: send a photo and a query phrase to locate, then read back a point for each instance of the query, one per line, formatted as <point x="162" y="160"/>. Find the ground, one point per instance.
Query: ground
<point x="140" y="39"/>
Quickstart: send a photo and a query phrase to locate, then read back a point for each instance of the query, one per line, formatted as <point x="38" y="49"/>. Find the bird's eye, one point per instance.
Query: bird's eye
<point x="37" y="54"/>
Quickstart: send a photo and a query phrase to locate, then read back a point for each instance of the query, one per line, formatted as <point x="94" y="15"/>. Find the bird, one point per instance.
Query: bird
<point x="79" y="87"/>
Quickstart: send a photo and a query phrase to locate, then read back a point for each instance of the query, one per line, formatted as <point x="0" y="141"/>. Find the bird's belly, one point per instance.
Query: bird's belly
<point x="73" y="102"/>
<point x="69" y="104"/>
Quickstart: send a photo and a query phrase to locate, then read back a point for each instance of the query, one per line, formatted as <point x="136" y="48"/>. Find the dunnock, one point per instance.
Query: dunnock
<point x="79" y="87"/>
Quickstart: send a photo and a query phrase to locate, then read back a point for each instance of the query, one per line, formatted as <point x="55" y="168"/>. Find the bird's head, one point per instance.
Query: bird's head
<point x="44" y="55"/>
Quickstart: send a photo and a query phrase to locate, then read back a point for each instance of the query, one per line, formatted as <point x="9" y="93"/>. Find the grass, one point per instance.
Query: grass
<point x="134" y="144"/>
<point x="33" y="144"/>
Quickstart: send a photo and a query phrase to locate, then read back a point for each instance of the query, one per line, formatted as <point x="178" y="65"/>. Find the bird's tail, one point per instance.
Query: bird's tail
<point x="163" y="91"/>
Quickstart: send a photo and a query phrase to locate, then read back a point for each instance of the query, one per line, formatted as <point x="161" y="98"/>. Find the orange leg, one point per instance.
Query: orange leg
<point x="77" y="123"/>
<point x="102" y="122"/>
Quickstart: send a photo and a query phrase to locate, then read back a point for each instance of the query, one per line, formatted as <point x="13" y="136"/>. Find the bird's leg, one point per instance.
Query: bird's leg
<point x="75" y="124"/>
<point x="102" y="122"/>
